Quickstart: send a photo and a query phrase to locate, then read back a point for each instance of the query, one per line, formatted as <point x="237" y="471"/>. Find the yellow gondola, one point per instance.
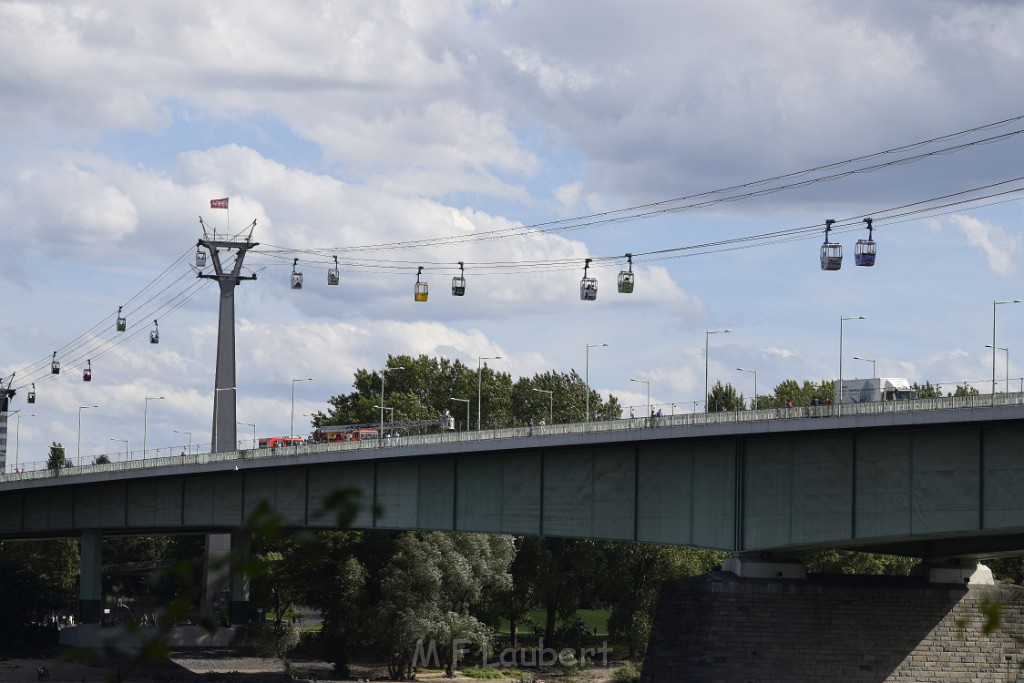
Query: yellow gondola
<point x="420" y="292"/>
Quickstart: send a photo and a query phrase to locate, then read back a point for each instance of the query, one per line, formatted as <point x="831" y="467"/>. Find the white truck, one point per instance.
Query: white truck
<point x="875" y="389"/>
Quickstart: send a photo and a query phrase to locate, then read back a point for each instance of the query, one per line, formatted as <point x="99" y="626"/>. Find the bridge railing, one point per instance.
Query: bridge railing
<point x="695" y="420"/>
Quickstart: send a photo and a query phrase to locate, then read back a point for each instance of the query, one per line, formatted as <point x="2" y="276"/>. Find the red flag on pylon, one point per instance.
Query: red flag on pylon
<point x="221" y="203"/>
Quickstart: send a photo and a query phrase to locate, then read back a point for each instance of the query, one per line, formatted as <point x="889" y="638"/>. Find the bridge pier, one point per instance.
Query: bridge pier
<point x="856" y="629"/>
<point x="90" y="587"/>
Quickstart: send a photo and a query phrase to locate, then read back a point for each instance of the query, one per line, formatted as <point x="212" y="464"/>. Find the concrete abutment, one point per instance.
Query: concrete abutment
<point x="872" y="629"/>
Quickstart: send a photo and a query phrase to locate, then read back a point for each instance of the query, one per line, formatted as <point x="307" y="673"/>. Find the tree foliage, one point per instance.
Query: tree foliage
<point x="424" y="388"/>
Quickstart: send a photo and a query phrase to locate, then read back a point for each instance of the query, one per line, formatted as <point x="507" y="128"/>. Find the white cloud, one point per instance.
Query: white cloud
<point x="999" y="247"/>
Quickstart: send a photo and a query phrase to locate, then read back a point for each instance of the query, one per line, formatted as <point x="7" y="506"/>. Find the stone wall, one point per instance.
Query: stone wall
<point x="723" y="629"/>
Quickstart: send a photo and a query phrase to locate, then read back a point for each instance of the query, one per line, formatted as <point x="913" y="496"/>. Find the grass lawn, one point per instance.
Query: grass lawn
<point x="591" y="617"/>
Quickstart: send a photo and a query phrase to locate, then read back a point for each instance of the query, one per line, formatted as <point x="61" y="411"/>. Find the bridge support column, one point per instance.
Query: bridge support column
<point x="967" y="573"/>
<point x="90" y="589"/>
<point x="216" y="570"/>
<point x="240" y="548"/>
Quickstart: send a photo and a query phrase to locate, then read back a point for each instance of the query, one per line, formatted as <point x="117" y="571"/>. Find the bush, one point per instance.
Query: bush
<point x="627" y="673"/>
<point x="266" y="640"/>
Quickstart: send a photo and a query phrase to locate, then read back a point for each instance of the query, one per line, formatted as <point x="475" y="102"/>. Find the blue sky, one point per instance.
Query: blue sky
<point x="337" y="126"/>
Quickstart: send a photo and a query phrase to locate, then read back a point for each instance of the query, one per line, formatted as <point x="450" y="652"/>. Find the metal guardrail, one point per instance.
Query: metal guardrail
<point x="847" y="410"/>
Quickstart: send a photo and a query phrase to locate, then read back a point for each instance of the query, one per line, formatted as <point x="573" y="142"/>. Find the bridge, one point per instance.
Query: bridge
<point x="930" y="478"/>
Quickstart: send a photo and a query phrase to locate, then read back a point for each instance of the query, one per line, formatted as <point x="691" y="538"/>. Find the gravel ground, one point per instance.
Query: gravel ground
<point x="192" y="667"/>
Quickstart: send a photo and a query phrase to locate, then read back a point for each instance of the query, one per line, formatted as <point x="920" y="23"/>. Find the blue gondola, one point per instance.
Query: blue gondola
<point x="864" y="252"/>
<point x="588" y="285"/>
<point x="420" y="291"/>
<point x="831" y="252"/>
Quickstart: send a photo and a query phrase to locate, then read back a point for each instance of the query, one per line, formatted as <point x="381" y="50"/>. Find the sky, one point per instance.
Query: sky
<point x="519" y="138"/>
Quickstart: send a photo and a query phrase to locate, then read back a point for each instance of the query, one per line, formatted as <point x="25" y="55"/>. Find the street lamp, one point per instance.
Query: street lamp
<point x="874" y="372"/>
<point x="292" y="428"/>
<point x="17" y="436"/>
<point x="994" y="347"/>
<point x="391" y="416"/>
<point x="589" y="346"/>
<point x="189" y="439"/>
<point x="707" y="334"/>
<point x="843" y="319"/>
<point x="643" y="381"/>
<point x="145" y="423"/>
<point x="551" y="404"/>
<point x="127" y="453"/>
<point x="754" y="402"/>
<point x="1007" y="350"/>
<point x="466" y="401"/>
<point x="479" y="384"/>
<point x="80" y="409"/>
<point x="382" y="371"/>
<point x="250" y="424"/>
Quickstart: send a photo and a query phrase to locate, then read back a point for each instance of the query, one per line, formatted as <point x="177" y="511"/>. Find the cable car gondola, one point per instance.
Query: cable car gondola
<point x="122" y="322"/>
<point x="626" y="277"/>
<point x="154" y="334"/>
<point x="831" y="252"/>
<point x="459" y="282"/>
<point x="588" y="285"/>
<point x="87" y="373"/>
<point x="55" y="365"/>
<point x="333" y="274"/>
<point x="296" y="276"/>
<point x="420" y="292"/>
<point x="864" y="252"/>
<point x="200" y="258"/>
<point x="32" y="394"/>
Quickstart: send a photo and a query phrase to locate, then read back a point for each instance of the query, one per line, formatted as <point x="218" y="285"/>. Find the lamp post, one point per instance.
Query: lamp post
<point x="382" y="371"/>
<point x="551" y="404"/>
<point x="466" y="401"/>
<point x="754" y="403"/>
<point x="994" y="347"/>
<point x="250" y="424"/>
<point x="127" y="452"/>
<point x="391" y="417"/>
<point x="874" y="372"/>
<point x="291" y="431"/>
<point x="589" y="346"/>
<point x="145" y="424"/>
<point x="707" y="334"/>
<point x="843" y="319"/>
<point x="80" y="409"/>
<point x="17" y="436"/>
<point x="644" y="381"/>
<point x="189" y="439"/>
<point x="1007" y="350"/>
<point x="479" y="384"/>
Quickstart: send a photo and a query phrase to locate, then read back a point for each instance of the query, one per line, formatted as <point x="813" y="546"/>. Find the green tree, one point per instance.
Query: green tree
<point x="853" y="562"/>
<point x="964" y="390"/>
<point x="724" y="398"/>
<point x="56" y="459"/>
<point x="927" y="390"/>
